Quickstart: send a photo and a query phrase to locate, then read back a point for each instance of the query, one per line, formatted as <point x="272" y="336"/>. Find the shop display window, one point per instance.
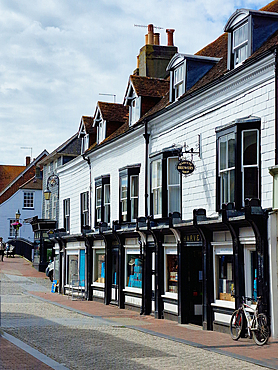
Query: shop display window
<point x="134" y="271"/>
<point x="72" y="268"/>
<point x="99" y="271"/>
<point x="172" y="273"/>
<point x="225" y="281"/>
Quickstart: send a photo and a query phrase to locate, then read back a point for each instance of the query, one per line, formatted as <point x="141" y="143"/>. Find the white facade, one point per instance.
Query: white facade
<point x="9" y="208"/>
<point x="250" y="92"/>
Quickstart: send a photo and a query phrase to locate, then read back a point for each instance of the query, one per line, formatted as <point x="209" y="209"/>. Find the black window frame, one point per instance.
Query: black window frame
<point x="237" y="127"/>
<point x="101" y="182"/>
<point x="84" y="211"/>
<point x="128" y="172"/>
<point x="66" y="216"/>
<point x="163" y="156"/>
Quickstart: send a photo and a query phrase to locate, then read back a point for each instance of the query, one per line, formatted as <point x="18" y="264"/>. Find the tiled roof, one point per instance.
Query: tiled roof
<point x="149" y="87"/>
<point x="8" y="174"/>
<point x="218" y="49"/>
<point x="63" y="149"/>
<point x="34" y="184"/>
<point x="113" y="112"/>
<point x="88" y="123"/>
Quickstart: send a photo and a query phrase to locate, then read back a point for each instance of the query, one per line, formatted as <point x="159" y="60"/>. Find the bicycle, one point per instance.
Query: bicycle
<point x="257" y="324"/>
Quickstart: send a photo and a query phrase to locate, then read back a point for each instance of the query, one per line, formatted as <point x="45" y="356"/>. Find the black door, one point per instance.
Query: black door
<point x="115" y="277"/>
<point x="195" y="285"/>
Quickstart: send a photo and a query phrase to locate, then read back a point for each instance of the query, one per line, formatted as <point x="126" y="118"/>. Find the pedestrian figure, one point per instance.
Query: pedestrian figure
<point x="2" y="248"/>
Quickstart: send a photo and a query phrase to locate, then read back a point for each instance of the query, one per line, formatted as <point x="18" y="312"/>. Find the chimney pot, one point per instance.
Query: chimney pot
<point x="156" y="39"/>
<point x="28" y="160"/>
<point x="170" y="33"/>
<point x="150" y="34"/>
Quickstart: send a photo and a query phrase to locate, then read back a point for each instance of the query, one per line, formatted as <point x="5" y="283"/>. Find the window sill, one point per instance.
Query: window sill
<point x="28" y="208"/>
<point x="225" y="304"/>
<point x="133" y="290"/>
<point x="101" y="285"/>
<point x="170" y="295"/>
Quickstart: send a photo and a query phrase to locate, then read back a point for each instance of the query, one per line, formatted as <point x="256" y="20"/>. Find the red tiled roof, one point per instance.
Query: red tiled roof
<point x="113" y="111"/>
<point x="34" y="184"/>
<point x="8" y="174"/>
<point x="149" y="87"/>
<point x="88" y="122"/>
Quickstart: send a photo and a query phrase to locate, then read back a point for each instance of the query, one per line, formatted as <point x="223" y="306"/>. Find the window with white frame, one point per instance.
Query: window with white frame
<point x="12" y="229"/>
<point x="178" y="83"/>
<point x="102" y="199"/>
<point x="238" y="162"/>
<point x="107" y="203"/>
<point x="54" y="206"/>
<point x="123" y="197"/>
<point x="129" y="193"/>
<point x="223" y="272"/>
<point x="135" y="110"/>
<point x="47" y="210"/>
<point x="28" y="199"/>
<point x="240" y="44"/>
<point x="66" y="206"/>
<point x="171" y="269"/>
<point x="84" y="204"/>
<point x="157" y="187"/>
<point x="101" y="131"/>
<point x="250" y="264"/>
<point x="73" y="269"/>
<point x="174" y="201"/>
<point x="134" y="195"/>
<point x="165" y="184"/>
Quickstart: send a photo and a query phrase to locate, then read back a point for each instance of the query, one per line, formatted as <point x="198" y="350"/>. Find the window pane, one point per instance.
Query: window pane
<point x="174" y="199"/>
<point x="156" y="174"/>
<point x="227" y="186"/>
<point x="157" y="201"/>
<point x="241" y="35"/>
<point x="134" y="271"/>
<point x="250" y="147"/>
<point x="98" y="197"/>
<point x="134" y="186"/>
<point x="251" y="188"/>
<point x="172" y="273"/>
<point x="73" y="269"/>
<point x="124" y="187"/>
<point x="106" y="194"/>
<point x="173" y="173"/>
<point x="225" y="281"/>
<point x="231" y="150"/>
<point x="99" y="267"/>
<point x="134" y="208"/>
<point x="222" y="154"/>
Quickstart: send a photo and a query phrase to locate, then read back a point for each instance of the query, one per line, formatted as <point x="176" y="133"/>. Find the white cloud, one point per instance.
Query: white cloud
<point x="57" y="56"/>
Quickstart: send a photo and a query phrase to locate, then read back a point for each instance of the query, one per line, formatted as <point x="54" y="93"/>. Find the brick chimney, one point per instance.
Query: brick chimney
<point x="28" y="160"/>
<point x="153" y="57"/>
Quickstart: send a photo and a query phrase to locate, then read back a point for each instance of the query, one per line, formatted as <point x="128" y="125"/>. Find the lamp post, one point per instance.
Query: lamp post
<point x="17" y="217"/>
<point x="51" y="181"/>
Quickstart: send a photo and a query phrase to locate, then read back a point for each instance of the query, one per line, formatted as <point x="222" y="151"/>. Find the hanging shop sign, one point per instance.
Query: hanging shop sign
<point x="185" y="167"/>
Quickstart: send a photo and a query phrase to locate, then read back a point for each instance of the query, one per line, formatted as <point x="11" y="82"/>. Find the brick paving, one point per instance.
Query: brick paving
<point x="244" y="349"/>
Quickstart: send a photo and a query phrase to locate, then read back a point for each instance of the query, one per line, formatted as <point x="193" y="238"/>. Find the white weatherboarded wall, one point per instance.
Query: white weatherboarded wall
<point x="250" y="92"/>
<point x="74" y="179"/>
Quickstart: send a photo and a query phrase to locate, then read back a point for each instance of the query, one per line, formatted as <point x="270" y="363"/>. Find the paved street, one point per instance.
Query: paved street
<point x="45" y="330"/>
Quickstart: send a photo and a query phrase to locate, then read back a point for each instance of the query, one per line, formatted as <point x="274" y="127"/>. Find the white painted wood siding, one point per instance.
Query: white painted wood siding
<point x="250" y="92"/>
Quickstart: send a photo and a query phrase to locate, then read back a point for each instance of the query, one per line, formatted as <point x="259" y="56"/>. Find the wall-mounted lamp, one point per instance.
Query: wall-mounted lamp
<point x="17" y="215"/>
<point x="51" y="181"/>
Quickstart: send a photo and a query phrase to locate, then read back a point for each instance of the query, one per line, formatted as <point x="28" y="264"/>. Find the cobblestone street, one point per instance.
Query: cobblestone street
<point x="78" y="341"/>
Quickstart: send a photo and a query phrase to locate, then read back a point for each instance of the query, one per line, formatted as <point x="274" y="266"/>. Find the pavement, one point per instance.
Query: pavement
<point x="213" y="342"/>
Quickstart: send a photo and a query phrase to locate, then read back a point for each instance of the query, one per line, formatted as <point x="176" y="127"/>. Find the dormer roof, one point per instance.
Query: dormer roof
<point x="147" y="86"/>
<point x="86" y="125"/>
<point x="111" y="112"/>
<point x="241" y="14"/>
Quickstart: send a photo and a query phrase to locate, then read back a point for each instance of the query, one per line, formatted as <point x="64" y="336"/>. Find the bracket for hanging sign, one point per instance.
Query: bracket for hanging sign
<point x="185" y="166"/>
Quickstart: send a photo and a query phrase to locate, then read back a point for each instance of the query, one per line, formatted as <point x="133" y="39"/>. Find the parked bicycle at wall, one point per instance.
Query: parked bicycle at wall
<point x="257" y="325"/>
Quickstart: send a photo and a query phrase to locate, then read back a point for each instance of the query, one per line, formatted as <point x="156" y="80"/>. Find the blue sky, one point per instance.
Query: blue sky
<point x="56" y="56"/>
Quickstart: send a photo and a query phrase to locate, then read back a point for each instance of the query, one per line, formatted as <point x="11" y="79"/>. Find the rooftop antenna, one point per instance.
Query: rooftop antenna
<point x="27" y="147"/>
<point x="140" y="25"/>
<point x="109" y="95"/>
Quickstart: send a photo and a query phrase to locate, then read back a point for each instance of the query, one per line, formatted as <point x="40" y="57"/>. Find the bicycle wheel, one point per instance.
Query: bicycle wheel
<point x="261" y="331"/>
<point x="236" y="324"/>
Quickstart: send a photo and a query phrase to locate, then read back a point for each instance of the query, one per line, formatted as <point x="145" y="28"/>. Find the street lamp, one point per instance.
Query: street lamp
<point x="17" y="215"/>
<point x="51" y="181"/>
<point x="17" y="223"/>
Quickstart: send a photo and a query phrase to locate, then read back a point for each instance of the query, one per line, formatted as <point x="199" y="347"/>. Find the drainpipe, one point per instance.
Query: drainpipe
<point x="276" y="108"/>
<point x="147" y="141"/>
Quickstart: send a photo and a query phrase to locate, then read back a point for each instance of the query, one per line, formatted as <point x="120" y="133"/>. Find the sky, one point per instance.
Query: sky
<point x="57" y="56"/>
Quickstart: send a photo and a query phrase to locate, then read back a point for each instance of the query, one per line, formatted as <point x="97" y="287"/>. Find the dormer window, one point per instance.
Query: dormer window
<point x="101" y="131"/>
<point x="134" y="110"/>
<point x="84" y="143"/>
<point x="240" y="44"/>
<point x="178" y="81"/>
